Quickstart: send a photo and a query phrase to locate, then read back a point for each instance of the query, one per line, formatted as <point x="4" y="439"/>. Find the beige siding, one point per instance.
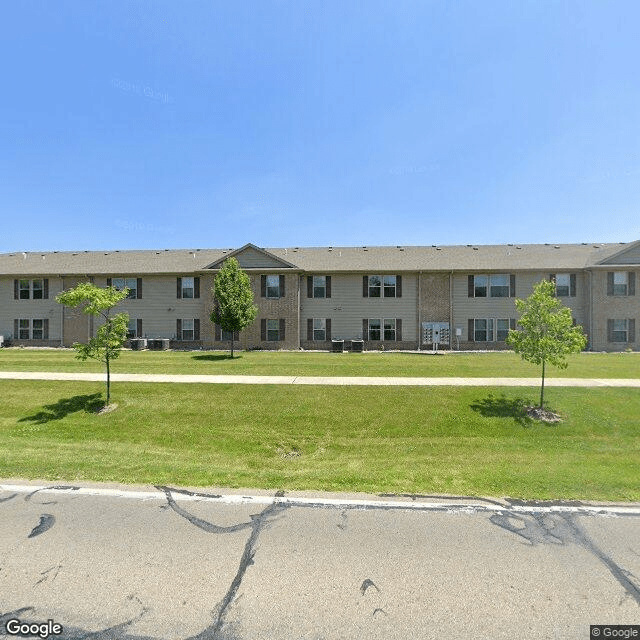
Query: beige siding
<point x="465" y="308"/>
<point x="632" y="256"/>
<point x="11" y="309"/>
<point x="252" y="259"/>
<point x="347" y="307"/>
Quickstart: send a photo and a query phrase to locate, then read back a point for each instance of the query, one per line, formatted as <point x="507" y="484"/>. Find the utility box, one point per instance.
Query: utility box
<point x="158" y="344"/>
<point x="138" y="344"/>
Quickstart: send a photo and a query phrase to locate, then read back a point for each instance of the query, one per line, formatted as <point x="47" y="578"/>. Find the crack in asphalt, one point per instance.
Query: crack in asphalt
<point x="46" y="522"/>
<point x="61" y="487"/>
<point x="45" y="574"/>
<point x="11" y="497"/>
<point x="420" y="496"/>
<point x="366" y="584"/>
<point x="209" y="527"/>
<point x="257" y="524"/>
<point x="561" y="529"/>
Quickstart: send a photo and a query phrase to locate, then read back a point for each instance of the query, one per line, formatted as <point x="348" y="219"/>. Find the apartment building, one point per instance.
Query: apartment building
<point x="392" y="297"/>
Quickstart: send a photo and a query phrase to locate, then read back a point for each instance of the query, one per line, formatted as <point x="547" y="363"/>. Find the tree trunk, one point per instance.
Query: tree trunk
<point x="232" y="344"/>
<point x="542" y="388"/>
<point x="108" y="378"/>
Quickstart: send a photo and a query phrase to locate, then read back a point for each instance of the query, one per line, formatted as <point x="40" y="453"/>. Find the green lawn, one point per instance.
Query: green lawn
<point x="503" y="364"/>
<point x="466" y="441"/>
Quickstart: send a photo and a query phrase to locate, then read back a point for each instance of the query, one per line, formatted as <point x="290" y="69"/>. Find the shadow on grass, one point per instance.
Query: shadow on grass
<point x="215" y="357"/>
<point x="503" y="407"/>
<point x="87" y="403"/>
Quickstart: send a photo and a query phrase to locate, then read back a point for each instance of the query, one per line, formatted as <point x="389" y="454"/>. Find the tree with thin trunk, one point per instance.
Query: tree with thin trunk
<point x="111" y="334"/>
<point x="547" y="333"/>
<point x="233" y="299"/>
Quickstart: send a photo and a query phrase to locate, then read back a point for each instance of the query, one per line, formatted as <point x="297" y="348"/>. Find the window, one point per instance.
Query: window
<point x="227" y="335"/>
<point x="389" y="286"/>
<point x="187" y="329"/>
<point x="126" y="283"/>
<point x="499" y="286"/>
<point x="36" y="329"/>
<point x="563" y="285"/>
<point x="483" y="330"/>
<point x="132" y="328"/>
<point x="273" y="327"/>
<point x="390" y="329"/>
<point x="374" y="329"/>
<point x="24" y="333"/>
<point x="619" y="331"/>
<point x="319" y="329"/>
<point x="502" y="329"/>
<point x="319" y="287"/>
<point x="619" y="283"/>
<point x="187" y="288"/>
<point x="273" y="287"/>
<point x="375" y="286"/>
<point x="480" y="286"/>
<point x="36" y="289"/>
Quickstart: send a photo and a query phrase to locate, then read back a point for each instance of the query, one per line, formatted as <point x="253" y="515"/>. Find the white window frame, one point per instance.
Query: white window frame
<point x="120" y="284"/>
<point x="389" y="284"/>
<point x="507" y="321"/>
<point x="132" y="328"/>
<point x="563" y="283"/>
<point x="273" y="329"/>
<point x="376" y="327"/>
<point x="621" y="281"/>
<point x="272" y="284"/>
<point x="319" y="329"/>
<point x="479" y="285"/>
<point x="389" y="329"/>
<point x="319" y="286"/>
<point x="24" y="327"/>
<point x="488" y="330"/>
<point x="188" y="287"/>
<point x="494" y="277"/>
<point x="374" y="290"/>
<point x="186" y="331"/>
<point x="622" y="331"/>
<point x="28" y="330"/>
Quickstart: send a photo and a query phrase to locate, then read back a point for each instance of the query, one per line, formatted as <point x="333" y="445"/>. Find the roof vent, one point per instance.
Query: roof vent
<point x="401" y="248"/>
<point x="475" y="248"/>
<point x="584" y="244"/>
<point x="365" y="248"/>
<point x="510" y="244"/>
<point x="43" y="256"/>
<point x="438" y="248"/>
<point x="596" y="246"/>
<point x="556" y="246"/>
<point x="518" y="247"/>
<point x="157" y="253"/>
<point x="330" y="248"/>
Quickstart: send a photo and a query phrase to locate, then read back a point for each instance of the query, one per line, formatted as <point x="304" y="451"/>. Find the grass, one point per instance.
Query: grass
<point x="453" y="440"/>
<point x="502" y="364"/>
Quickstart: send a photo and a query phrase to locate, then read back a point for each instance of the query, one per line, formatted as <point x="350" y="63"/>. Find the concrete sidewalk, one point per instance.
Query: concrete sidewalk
<point x="323" y="380"/>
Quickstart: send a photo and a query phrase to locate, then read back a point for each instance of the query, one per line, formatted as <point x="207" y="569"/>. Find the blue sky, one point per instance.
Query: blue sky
<point x="212" y="124"/>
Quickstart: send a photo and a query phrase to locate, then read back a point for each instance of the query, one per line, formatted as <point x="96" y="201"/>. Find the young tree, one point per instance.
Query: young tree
<point x="547" y="334"/>
<point x="110" y="336"/>
<point x="233" y="299"/>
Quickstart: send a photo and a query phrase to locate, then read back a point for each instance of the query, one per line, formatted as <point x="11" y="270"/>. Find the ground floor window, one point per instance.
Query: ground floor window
<point x="388" y="329"/>
<point x="490" y="329"/>
<point x="502" y="329"/>
<point x="31" y="329"/>
<point x="272" y="329"/>
<point x="618" y="330"/>
<point x="188" y="329"/>
<point x="319" y="329"/>
<point x="483" y="330"/>
<point x="134" y="328"/>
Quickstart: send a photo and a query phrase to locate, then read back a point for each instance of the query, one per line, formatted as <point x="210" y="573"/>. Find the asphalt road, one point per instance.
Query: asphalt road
<point x="171" y="564"/>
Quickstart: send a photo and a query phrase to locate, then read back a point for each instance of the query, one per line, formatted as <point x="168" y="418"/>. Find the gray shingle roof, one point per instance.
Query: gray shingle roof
<point x="319" y="259"/>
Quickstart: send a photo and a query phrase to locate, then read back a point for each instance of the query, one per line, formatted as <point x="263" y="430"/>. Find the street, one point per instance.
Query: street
<point x="169" y="563"/>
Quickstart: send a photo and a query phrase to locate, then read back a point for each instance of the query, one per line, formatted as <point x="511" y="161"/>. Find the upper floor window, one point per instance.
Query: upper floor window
<point x="563" y="284"/>
<point x="36" y="289"/>
<point x="189" y="287"/>
<point x="497" y="285"/>
<point x="127" y="283"/>
<point x="272" y="286"/>
<point x="389" y="286"/>
<point x="621" y="283"/>
<point x="319" y="286"/>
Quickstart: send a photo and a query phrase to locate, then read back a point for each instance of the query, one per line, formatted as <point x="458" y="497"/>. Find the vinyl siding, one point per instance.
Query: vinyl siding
<point x="10" y="309"/>
<point x="252" y="259"/>
<point x="347" y="307"/>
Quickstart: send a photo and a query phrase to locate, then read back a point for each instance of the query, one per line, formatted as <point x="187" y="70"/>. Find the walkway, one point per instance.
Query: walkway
<point x="323" y="380"/>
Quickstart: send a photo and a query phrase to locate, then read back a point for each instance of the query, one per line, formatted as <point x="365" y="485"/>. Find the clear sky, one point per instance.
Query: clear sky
<point x="294" y="123"/>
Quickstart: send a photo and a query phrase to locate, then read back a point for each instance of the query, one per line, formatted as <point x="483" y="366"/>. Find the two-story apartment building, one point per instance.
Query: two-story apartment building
<point x="394" y="297"/>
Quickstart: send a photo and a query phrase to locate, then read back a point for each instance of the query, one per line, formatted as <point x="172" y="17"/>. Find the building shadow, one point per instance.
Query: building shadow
<point x="59" y="410"/>
<point x="502" y="407"/>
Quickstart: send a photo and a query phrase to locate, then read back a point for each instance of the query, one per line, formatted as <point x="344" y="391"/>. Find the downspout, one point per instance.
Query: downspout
<point x="419" y="310"/>
<point x="451" y="329"/>
<point x="298" y="328"/>
<point x="62" y="316"/>
<point x="590" y="290"/>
